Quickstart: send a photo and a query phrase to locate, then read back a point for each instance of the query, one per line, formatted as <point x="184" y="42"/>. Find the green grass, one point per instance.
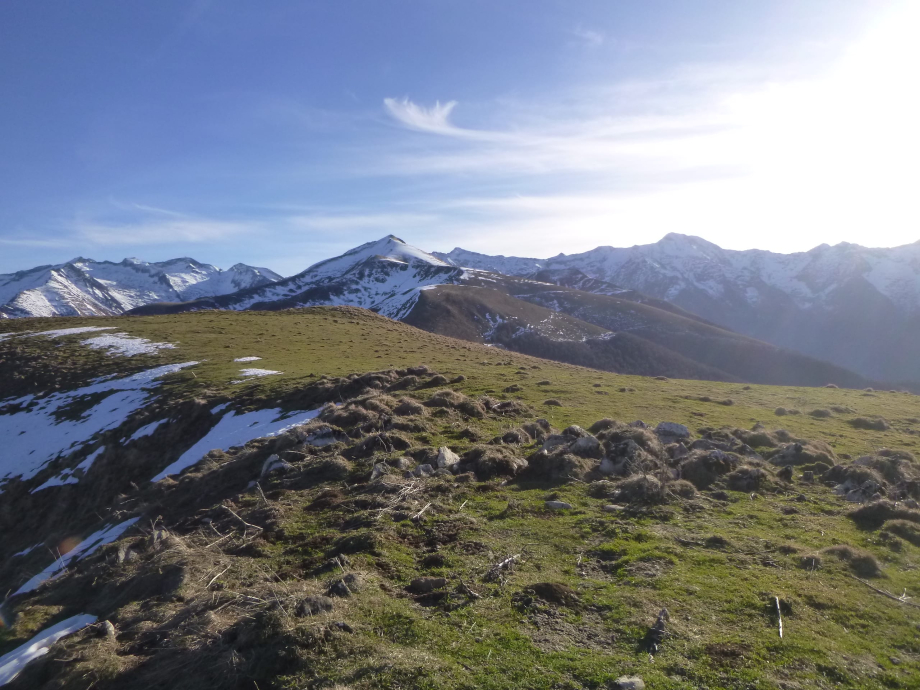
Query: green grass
<point x="714" y="565"/>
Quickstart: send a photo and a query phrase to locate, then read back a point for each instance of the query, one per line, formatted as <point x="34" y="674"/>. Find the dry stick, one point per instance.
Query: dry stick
<point x="886" y="594"/>
<point x="248" y="524"/>
<point x="418" y="515"/>
<point x="462" y="504"/>
<point x="217" y="576"/>
<point x="779" y="617"/>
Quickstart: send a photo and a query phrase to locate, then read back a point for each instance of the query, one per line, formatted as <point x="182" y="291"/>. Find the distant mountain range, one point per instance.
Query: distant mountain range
<point x="856" y="307"/>
<point x="681" y="307"/>
<point x="84" y="287"/>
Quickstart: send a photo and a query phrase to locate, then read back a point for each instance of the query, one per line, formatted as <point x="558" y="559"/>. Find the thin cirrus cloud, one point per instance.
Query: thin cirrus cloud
<point x="743" y="159"/>
<point x="156" y="226"/>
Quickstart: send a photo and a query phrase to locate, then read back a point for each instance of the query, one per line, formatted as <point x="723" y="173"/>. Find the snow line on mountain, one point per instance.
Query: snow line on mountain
<point x="12" y="663"/>
<point x="36" y="435"/>
<point x="88" y="546"/>
<point x="236" y="430"/>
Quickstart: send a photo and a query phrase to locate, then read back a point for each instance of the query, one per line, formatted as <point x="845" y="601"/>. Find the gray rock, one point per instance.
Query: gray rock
<point x="108" y="629"/>
<point x="638" y="424"/>
<point x="677" y="451"/>
<point x="313" y="605"/>
<point x="554" y="441"/>
<point x="558" y="505"/>
<point x="610" y="467"/>
<point x="447" y="457"/>
<point x="672" y="430"/>
<point x="424" y="470"/>
<point x="611" y="508"/>
<point x="380" y="469"/>
<point x="912" y="504"/>
<point x="629" y="683"/>
<point x="423" y="585"/>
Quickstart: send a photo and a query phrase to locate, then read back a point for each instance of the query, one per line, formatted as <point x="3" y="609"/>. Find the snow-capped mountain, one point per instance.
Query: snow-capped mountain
<point x="84" y="287"/>
<point x="855" y="306"/>
<point x="385" y="276"/>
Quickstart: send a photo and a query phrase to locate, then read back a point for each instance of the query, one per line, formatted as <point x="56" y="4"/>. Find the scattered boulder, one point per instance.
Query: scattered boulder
<point x="346" y="586"/>
<point x="672" y="431"/>
<point x="629" y="683"/>
<point x="558" y="505"/>
<point x="274" y="464"/>
<point x="447" y="458"/>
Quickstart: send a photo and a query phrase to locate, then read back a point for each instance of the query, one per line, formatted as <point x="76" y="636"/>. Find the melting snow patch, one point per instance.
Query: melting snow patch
<point x="12" y="663"/>
<point x="237" y="430"/>
<point x="100" y="538"/>
<point x="126" y="345"/>
<point x="247" y="359"/>
<point x="65" y="477"/>
<point x="26" y="552"/>
<point x="73" y="331"/>
<point x="35" y="435"/>
<point x="220" y="408"/>
<point x="255" y="373"/>
<point x="147" y="430"/>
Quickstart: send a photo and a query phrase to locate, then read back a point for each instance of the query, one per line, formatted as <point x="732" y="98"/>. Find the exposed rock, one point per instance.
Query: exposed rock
<point x="380" y="469"/>
<point x="424" y="470"/>
<point x="629" y="683"/>
<point x="274" y="464"/>
<point x="672" y="430"/>
<point x="558" y="505"/>
<point x="346" y="586"/>
<point x="447" y="458"/>
<point x="587" y="447"/>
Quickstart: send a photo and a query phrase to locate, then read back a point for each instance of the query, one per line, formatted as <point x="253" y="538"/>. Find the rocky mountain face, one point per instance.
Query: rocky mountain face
<point x="854" y="306"/>
<point x="84" y="287"/>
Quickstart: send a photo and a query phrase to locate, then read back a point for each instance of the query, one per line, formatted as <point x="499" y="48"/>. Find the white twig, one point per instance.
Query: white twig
<point x="779" y="617"/>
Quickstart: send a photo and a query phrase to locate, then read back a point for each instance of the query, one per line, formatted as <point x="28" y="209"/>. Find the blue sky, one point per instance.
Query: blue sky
<point x="281" y="133"/>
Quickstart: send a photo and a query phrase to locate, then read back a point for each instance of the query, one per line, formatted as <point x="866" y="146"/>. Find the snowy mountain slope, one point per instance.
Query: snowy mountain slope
<point x="384" y="276"/>
<point x="84" y="287"/>
<point x="851" y="305"/>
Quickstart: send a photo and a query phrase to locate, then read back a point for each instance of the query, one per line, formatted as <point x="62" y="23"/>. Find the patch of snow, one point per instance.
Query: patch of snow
<point x="88" y="462"/>
<point x="254" y="374"/>
<point x="220" y="408"/>
<point x="247" y="359"/>
<point x="34" y="436"/>
<point x="12" y="663"/>
<point x="147" y="429"/>
<point x="97" y="539"/>
<point x="126" y="345"/>
<point x="26" y="552"/>
<point x="236" y="430"/>
<point x="65" y="477"/>
<point x="73" y="331"/>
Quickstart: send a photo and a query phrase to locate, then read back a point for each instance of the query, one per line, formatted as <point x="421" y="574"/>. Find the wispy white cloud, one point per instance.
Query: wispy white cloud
<point x="35" y="242"/>
<point x="588" y="37"/>
<point x="383" y="222"/>
<point x="140" y="224"/>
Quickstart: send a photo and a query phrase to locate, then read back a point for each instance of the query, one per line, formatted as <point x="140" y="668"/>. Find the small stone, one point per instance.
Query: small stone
<point x="629" y="683"/>
<point x="672" y="430"/>
<point x="613" y="508"/>
<point x="558" y="505"/>
<point x="425" y="470"/>
<point x="447" y="457"/>
<point x="380" y="469"/>
<point x="423" y="585"/>
<point x="313" y="605"/>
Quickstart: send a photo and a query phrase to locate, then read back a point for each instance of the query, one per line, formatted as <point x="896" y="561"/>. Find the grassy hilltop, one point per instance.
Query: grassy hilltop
<point x="311" y="577"/>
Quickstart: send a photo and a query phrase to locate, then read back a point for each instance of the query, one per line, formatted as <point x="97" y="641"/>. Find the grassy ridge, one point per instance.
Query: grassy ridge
<point x="714" y="564"/>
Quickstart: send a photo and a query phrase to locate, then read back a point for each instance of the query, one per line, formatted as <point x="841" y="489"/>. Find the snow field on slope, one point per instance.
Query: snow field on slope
<point x="34" y="436"/>
<point x="236" y="430"/>
<point x="247" y="359"/>
<point x="125" y="345"/>
<point x="97" y="539"/>
<point x="12" y="663"/>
